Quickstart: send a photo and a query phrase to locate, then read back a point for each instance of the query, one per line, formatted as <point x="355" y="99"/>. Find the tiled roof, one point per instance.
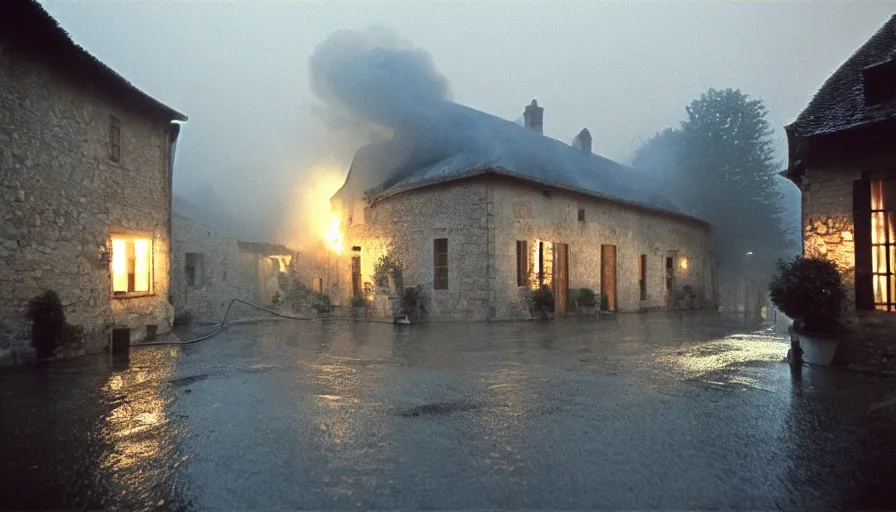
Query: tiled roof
<point x="265" y="249"/>
<point x="26" y="28"/>
<point x="448" y="141"/>
<point x="840" y="103"/>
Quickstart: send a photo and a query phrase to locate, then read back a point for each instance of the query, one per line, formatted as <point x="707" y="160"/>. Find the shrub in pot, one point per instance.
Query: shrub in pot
<point x="587" y="297"/>
<point x="411" y="301"/>
<point x="543" y="300"/>
<point x="321" y="303"/>
<point x="810" y="291"/>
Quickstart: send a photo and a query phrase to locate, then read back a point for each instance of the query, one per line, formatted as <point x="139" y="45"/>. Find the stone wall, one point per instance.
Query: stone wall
<point x="827" y="220"/>
<point x="405" y="226"/>
<point x="61" y="197"/>
<point x="523" y="212"/>
<point x="483" y="218"/>
<point x="828" y="232"/>
<point x="226" y="274"/>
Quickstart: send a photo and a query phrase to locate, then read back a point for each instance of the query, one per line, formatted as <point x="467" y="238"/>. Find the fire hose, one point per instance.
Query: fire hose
<point x="219" y="327"/>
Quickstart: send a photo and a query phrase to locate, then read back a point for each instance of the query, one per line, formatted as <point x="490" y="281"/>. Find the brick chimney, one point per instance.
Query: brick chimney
<point x="582" y="142"/>
<point x="534" y="117"/>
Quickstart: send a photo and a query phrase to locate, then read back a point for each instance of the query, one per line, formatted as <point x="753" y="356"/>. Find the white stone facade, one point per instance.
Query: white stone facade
<point x="62" y="197"/>
<point x="483" y="218"/>
<point x="223" y="269"/>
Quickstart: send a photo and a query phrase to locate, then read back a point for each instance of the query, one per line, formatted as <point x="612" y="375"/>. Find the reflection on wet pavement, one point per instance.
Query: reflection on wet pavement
<point x="678" y="410"/>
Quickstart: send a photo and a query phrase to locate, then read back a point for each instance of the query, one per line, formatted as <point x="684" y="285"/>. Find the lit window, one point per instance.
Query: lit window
<point x="131" y="264"/>
<point x="883" y="244"/>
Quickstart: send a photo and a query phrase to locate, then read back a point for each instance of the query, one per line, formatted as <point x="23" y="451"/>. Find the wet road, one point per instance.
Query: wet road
<point x="640" y="411"/>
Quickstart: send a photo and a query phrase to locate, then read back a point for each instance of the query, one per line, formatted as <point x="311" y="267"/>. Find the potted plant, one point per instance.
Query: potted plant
<point x="586" y="298"/>
<point x="321" y="303"/>
<point x="358" y="306"/>
<point x="810" y="291"/>
<point x="543" y="300"/>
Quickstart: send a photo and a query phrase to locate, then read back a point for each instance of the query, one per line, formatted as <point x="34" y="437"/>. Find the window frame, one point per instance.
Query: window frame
<point x="884" y="211"/>
<point x="131" y="236"/>
<point x="440" y="273"/>
<point x="114" y="139"/>
<point x="198" y="271"/>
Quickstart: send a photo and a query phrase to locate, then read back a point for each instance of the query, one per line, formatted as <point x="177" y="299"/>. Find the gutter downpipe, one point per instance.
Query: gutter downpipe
<point x="172" y="140"/>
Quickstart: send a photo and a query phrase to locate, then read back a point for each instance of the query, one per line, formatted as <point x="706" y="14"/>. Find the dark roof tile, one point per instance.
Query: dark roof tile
<point x="27" y="29"/>
<point x="840" y="103"/>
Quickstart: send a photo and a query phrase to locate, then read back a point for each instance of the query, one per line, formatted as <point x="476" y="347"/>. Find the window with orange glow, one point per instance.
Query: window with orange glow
<point x="883" y="244"/>
<point x="131" y="265"/>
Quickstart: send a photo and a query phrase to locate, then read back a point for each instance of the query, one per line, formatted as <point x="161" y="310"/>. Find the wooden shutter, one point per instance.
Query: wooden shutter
<point x="861" y="213"/>
<point x="522" y="263"/>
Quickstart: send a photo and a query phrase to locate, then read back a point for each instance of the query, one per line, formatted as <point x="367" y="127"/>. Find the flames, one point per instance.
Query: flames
<point x="333" y="235"/>
<point x="314" y="221"/>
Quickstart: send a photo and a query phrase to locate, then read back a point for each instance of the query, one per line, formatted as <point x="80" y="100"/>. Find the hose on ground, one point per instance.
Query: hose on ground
<point x="219" y="327"/>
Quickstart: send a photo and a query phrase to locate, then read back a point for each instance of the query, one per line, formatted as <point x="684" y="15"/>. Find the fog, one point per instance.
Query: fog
<point x="266" y="118"/>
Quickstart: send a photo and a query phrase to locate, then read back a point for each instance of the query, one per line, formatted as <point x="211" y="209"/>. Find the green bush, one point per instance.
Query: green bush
<point x="321" y="303"/>
<point x="276" y="300"/>
<point x="358" y="301"/>
<point x="47" y="323"/>
<point x="411" y="300"/>
<point x="543" y="298"/>
<point x="382" y="267"/>
<point x="586" y="297"/>
<point x="809" y="290"/>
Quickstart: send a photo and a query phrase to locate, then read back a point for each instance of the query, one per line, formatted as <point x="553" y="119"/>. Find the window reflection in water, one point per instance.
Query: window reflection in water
<point x="138" y="433"/>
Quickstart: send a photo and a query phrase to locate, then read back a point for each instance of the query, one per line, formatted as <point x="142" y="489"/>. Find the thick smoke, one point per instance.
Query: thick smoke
<point x="375" y="74"/>
<point x="384" y="80"/>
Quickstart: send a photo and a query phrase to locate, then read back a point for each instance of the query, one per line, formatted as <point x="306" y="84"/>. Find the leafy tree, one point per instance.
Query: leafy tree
<point x="720" y="165"/>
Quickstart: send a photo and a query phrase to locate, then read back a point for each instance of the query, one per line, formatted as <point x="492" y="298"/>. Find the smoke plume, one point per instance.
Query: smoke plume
<point x="376" y="75"/>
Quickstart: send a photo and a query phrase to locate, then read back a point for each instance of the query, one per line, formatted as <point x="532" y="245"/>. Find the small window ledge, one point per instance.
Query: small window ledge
<point x="132" y="295"/>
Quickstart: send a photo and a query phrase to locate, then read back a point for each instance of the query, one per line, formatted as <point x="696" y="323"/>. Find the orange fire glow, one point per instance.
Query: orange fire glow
<point x="314" y="219"/>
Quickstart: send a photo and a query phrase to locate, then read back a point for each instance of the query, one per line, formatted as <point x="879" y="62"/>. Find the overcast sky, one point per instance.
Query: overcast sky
<point x="623" y="69"/>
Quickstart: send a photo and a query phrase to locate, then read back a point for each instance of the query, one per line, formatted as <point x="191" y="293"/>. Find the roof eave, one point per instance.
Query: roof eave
<point x="374" y="196"/>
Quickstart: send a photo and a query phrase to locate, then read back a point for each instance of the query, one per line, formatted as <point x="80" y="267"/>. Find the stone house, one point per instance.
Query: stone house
<point x="86" y="161"/>
<point x="482" y="215"/>
<point x="843" y="159"/>
<point x="210" y="268"/>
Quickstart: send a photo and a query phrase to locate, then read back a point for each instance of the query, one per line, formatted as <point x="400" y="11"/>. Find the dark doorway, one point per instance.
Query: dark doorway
<point x="356" y="273"/>
<point x="608" y="276"/>
<point x="670" y="278"/>
<point x="561" y="277"/>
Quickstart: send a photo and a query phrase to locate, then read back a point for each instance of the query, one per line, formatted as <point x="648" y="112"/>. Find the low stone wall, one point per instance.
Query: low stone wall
<point x="869" y="342"/>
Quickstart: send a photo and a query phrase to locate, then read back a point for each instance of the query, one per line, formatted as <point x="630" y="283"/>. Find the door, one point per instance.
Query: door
<point x="356" y="275"/>
<point x="608" y="276"/>
<point x="670" y="277"/>
<point x="561" y="277"/>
